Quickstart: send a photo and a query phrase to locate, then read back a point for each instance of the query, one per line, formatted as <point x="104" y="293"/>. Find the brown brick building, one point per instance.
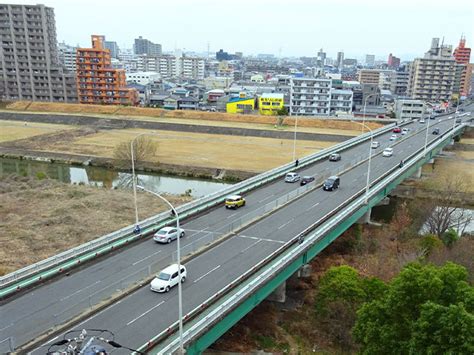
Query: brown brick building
<point x="97" y="82"/>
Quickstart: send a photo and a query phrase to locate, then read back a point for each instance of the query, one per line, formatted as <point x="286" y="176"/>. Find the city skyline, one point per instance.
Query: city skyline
<point x="269" y="26"/>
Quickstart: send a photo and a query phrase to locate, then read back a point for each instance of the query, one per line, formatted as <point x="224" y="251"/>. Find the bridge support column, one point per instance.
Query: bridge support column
<point x="417" y="174"/>
<point x="279" y="295"/>
<point x="305" y="271"/>
<point x="365" y="219"/>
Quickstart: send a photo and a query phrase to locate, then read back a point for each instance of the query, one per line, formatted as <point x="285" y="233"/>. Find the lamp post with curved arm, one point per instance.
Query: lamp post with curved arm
<point x="178" y="256"/>
<point x="370" y="160"/>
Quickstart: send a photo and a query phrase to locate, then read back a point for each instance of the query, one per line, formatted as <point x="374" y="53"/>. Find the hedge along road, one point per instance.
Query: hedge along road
<point x="118" y="123"/>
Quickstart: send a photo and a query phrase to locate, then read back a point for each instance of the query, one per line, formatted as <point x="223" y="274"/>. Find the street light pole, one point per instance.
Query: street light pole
<point x="294" y="139"/>
<point x="426" y="135"/>
<point x="365" y="106"/>
<point x="370" y="160"/>
<point x="178" y="256"/>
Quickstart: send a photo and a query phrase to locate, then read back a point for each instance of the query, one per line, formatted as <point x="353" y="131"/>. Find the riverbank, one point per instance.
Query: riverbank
<point x="40" y="217"/>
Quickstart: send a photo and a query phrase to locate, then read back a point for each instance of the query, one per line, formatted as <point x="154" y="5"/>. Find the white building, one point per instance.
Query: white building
<point x="67" y="56"/>
<point x="341" y="101"/>
<point x="409" y="109"/>
<point x="172" y="66"/>
<point x="310" y="96"/>
<point x="143" y="77"/>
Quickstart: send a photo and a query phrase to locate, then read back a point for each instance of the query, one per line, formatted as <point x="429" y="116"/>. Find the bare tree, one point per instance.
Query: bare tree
<point x="144" y="148"/>
<point x="445" y="213"/>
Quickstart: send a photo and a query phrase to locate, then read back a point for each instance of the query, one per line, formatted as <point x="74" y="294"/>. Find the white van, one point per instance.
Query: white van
<point x="168" y="278"/>
<point x="292" y="177"/>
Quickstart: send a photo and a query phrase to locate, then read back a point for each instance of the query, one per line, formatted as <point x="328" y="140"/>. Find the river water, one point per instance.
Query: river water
<point x="102" y="177"/>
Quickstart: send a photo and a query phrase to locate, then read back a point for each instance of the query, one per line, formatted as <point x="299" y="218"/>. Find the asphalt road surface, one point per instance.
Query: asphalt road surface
<point x="143" y="314"/>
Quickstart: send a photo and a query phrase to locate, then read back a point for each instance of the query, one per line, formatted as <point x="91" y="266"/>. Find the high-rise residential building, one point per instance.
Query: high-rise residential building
<point x="393" y="62"/>
<point x="113" y="47"/>
<point x="369" y="76"/>
<point x="399" y="83"/>
<point x="321" y="58"/>
<point x="29" y="60"/>
<point x="432" y="78"/>
<point x="173" y="66"/>
<point x="462" y="56"/>
<point x="340" y="60"/>
<point x="310" y="96"/>
<point x="67" y="56"/>
<point x="370" y="60"/>
<point x="144" y="46"/>
<point x="97" y="81"/>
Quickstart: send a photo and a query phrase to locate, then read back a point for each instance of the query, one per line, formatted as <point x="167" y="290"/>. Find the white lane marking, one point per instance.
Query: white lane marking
<point x="149" y="256"/>
<point x="250" y="246"/>
<point x="8" y="326"/>
<point x="80" y="290"/>
<point x="273" y="241"/>
<point x="317" y="203"/>
<point x="285" y="224"/>
<point x="207" y="273"/>
<point x="232" y="215"/>
<point x="246" y="236"/>
<point x="141" y="315"/>
<point x="266" y="198"/>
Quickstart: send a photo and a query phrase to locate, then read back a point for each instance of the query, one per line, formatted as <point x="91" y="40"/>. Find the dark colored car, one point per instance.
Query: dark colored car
<point x="335" y="157"/>
<point x="435" y="131"/>
<point x="331" y="183"/>
<point x="432" y="117"/>
<point x="397" y="130"/>
<point x="306" y="180"/>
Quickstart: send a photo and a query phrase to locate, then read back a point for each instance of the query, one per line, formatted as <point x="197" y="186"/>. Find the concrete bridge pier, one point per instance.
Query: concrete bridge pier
<point x="279" y="295"/>
<point x="365" y="219"/>
<point x="417" y="174"/>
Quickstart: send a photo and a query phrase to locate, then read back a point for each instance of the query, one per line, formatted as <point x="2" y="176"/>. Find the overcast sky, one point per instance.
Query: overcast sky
<point x="289" y="28"/>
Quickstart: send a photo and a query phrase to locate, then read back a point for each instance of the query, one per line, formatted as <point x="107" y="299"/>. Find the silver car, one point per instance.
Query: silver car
<point x="167" y="234"/>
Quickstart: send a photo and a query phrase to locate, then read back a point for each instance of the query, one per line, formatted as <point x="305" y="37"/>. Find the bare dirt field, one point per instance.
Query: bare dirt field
<point x="13" y="130"/>
<point x="40" y="218"/>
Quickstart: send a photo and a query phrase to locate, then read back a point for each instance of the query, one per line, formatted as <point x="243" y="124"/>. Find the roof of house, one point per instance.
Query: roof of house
<point x="239" y="99"/>
<point x="267" y="95"/>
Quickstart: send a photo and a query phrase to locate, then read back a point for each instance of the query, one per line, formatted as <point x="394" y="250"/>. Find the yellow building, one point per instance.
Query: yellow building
<point x="240" y="105"/>
<point x="270" y="104"/>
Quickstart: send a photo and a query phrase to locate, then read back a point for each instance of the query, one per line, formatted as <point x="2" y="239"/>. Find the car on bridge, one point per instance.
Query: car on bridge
<point x="306" y="180"/>
<point x="292" y="177"/>
<point x="397" y="130"/>
<point x="168" y="234"/>
<point x="374" y="145"/>
<point x="393" y="137"/>
<point x="388" y="152"/>
<point x="168" y="278"/>
<point x="331" y="183"/>
<point x="335" y="157"/>
<point x="435" y="131"/>
<point x="234" y="201"/>
<point x="405" y="131"/>
<point x="422" y="120"/>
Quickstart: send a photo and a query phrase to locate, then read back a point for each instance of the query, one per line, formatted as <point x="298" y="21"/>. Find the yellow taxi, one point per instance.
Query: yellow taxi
<point x="234" y="201"/>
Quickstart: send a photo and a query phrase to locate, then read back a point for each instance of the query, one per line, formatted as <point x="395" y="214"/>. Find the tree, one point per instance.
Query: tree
<point x="447" y="193"/>
<point x="340" y="293"/>
<point x="450" y="237"/>
<point x="281" y="114"/>
<point x="144" y="148"/>
<point x="394" y="323"/>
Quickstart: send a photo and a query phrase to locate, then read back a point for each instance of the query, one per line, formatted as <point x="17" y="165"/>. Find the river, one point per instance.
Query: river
<point x="102" y="177"/>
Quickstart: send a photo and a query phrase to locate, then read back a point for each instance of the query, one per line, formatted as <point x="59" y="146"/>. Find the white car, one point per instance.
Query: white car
<point x="292" y="177"/>
<point x="393" y="137"/>
<point x="375" y="145"/>
<point x="168" y="278"/>
<point x="422" y="120"/>
<point x="388" y="152"/>
<point x="167" y="234"/>
<point x="404" y="131"/>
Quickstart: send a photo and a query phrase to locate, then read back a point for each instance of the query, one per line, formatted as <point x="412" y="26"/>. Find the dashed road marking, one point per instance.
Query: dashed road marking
<point x="207" y="273"/>
<point x="141" y="315"/>
<point x="149" y="256"/>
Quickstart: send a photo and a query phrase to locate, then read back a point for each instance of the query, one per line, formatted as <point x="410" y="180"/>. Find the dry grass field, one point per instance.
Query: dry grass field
<point x="201" y="150"/>
<point x="13" y="130"/>
<point x="40" y="218"/>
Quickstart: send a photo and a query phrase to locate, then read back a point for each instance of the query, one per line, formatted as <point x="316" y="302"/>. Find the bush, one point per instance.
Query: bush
<point x="450" y="237"/>
<point x="430" y="242"/>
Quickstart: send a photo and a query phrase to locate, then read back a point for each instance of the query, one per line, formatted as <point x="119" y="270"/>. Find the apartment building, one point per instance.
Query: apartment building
<point x="341" y="101"/>
<point x="113" y="47"/>
<point x="144" y="46"/>
<point x="170" y="66"/>
<point x="369" y="76"/>
<point x="67" y="56"/>
<point x="29" y="62"/>
<point x="143" y="78"/>
<point x="432" y="78"/>
<point x="409" y="109"/>
<point x="97" y="81"/>
<point x="462" y="56"/>
<point x="399" y="83"/>
<point x="310" y="96"/>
